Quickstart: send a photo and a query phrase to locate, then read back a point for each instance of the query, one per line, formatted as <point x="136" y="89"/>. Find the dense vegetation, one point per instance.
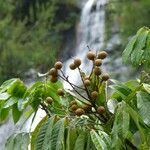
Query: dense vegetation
<point x="128" y="15"/>
<point x="32" y="32"/>
<point x="82" y="119"/>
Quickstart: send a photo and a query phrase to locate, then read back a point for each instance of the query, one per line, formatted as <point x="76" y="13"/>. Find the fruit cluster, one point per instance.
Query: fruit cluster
<point x="91" y="84"/>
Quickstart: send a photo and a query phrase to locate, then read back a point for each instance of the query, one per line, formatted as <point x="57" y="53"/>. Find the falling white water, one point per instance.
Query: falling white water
<point x="90" y="33"/>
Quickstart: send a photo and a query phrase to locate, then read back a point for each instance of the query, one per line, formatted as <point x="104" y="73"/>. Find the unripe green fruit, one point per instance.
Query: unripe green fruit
<point x="97" y="71"/>
<point x="72" y="66"/>
<point x="91" y="55"/>
<point x="102" y="55"/>
<point x="58" y="65"/>
<point x="98" y="62"/>
<point x="49" y="100"/>
<point x="53" y="72"/>
<point x="101" y="110"/>
<point x="60" y="92"/>
<point x="53" y="79"/>
<point x="73" y="102"/>
<point x="79" y="112"/>
<point x="105" y="77"/>
<point x="77" y="62"/>
<point x="74" y="107"/>
<point x="94" y="95"/>
<point x="87" y="82"/>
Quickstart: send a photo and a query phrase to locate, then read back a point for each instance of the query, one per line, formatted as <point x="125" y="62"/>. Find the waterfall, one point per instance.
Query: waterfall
<point x="90" y="33"/>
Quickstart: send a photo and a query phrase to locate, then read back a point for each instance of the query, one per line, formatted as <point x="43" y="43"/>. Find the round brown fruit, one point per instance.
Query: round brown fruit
<point x="74" y="107"/>
<point x="79" y="112"/>
<point x="53" y="72"/>
<point x="58" y="65"/>
<point x="60" y="92"/>
<point x="87" y="82"/>
<point x="94" y="95"/>
<point x="73" y="102"/>
<point x="53" y="79"/>
<point x="101" y="110"/>
<point x="97" y="71"/>
<point x="49" y="100"/>
<point x="91" y="55"/>
<point x="87" y="107"/>
<point x="87" y="78"/>
<point x="72" y="66"/>
<point x="77" y="62"/>
<point x="102" y="55"/>
<point x="105" y="77"/>
<point x="98" y="62"/>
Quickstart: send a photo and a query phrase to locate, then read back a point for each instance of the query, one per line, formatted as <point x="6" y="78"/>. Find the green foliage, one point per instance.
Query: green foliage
<point x="18" y="142"/>
<point x="137" y="51"/>
<point x="129" y="14"/>
<point x="95" y="128"/>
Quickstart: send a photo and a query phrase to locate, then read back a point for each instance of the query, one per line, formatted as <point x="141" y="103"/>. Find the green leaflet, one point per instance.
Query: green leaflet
<point x="7" y="84"/>
<point x="139" y="123"/>
<point x="101" y="140"/>
<point x="121" y="89"/>
<point x="137" y="53"/>
<point x="80" y="142"/>
<point x="146" y="58"/>
<point x="146" y="87"/>
<point x="57" y="137"/>
<point x="11" y="101"/>
<point x="143" y="105"/>
<point x="120" y="127"/>
<point x="128" y="50"/>
<point x="138" y="49"/>
<point x="36" y="132"/>
<point x="71" y="138"/>
<point x="18" y="142"/>
<point x="17" y="89"/>
<point x="3" y="114"/>
<point x="16" y="113"/>
<point x="44" y="136"/>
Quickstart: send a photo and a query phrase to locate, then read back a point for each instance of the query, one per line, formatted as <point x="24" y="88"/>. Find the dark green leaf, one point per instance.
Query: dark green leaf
<point x="120" y="128"/>
<point x="11" y="101"/>
<point x="16" y="113"/>
<point x="143" y="104"/>
<point x="44" y="136"/>
<point x="80" y="142"/>
<point x="128" y="50"/>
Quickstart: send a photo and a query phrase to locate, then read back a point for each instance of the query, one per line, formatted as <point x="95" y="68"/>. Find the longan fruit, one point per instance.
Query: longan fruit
<point x="49" y="100"/>
<point x="77" y="62"/>
<point x="53" y="72"/>
<point x="94" y="95"/>
<point x="101" y="110"/>
<point x="60" y="92"/>
<point x="102" y="55"/>
<point x="87" y="82"/>
<point x="79" y="112"/>
<point x="73" y="102"/>
<point x="98" y="62"/>
<point x="105" y="76"/>
<point x="58" y="65"/>
<point x="74" y="107"/>
<point x="97" y="71"/>
<point x="72" y="66"/>
<point x="91" y="55"/>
